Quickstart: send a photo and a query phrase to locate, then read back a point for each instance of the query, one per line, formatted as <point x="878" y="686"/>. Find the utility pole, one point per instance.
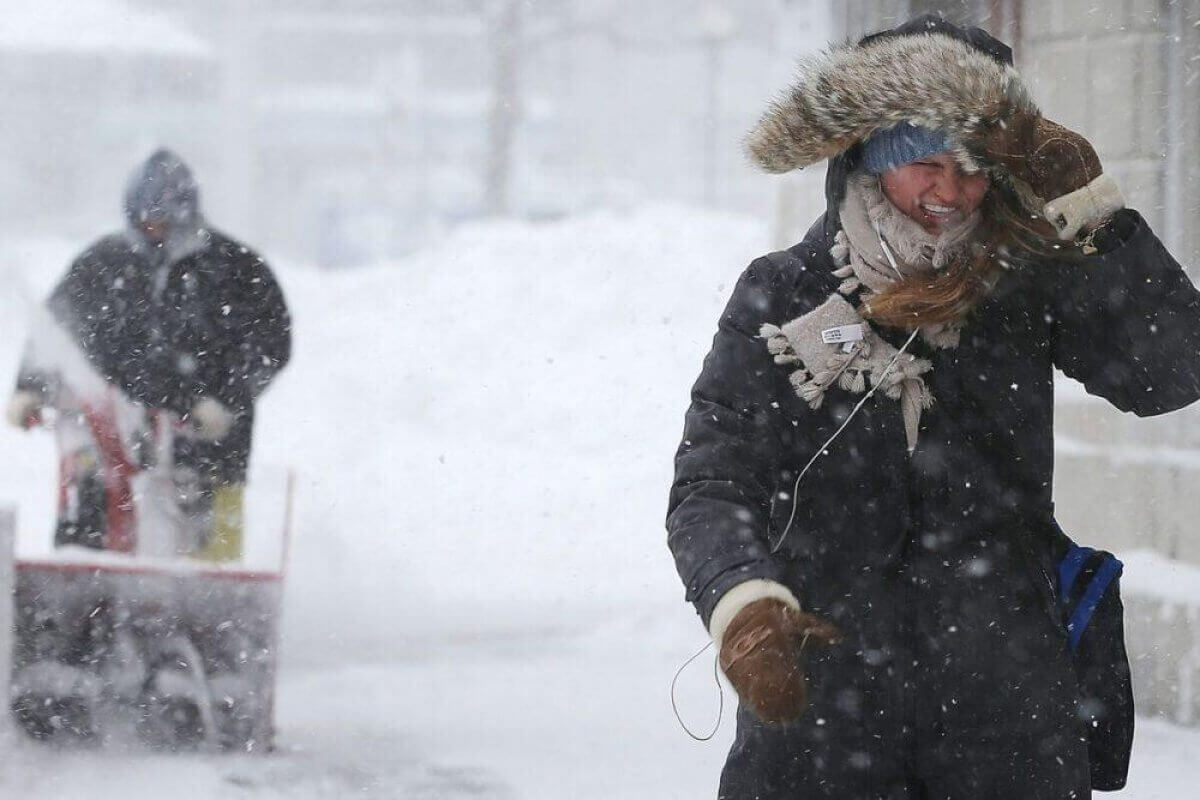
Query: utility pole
<point x="717" y="27"/>
<point x="506" y="108"/>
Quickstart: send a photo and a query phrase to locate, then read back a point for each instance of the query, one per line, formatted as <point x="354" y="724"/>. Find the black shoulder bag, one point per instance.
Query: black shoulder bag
<point x="1090" y="596"/>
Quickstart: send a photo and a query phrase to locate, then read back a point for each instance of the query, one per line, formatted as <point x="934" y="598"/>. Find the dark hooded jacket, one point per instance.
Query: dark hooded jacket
<point x="197" y="315"/>
<point x="953" y="679"/>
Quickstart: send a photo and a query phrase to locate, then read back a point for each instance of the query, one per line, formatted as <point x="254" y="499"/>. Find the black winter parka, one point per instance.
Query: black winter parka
<point x="953" y="679"/>
<point x="212" y="323"/>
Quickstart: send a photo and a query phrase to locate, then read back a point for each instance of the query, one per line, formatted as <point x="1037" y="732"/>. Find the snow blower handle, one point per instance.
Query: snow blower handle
<point x="25" y="409"/>
<point x="209" y="420"/>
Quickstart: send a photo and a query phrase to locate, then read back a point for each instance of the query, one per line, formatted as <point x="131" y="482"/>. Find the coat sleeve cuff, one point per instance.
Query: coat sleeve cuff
<point x="1084" y="207"/>
<point x="741" y="596"/>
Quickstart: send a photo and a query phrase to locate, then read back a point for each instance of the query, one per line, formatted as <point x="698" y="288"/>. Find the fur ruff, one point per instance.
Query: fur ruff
<point x="845" y="94"/>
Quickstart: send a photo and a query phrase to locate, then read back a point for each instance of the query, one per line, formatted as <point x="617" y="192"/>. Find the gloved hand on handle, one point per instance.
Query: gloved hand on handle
<point x="24" y="409"/>
<point x="210" y="419"/>
<point x="1056" y="165"/>
<point x="762" y="654"/>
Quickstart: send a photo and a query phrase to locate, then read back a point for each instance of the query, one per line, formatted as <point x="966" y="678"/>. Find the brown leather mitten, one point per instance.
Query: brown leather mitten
<point x="761" y="654"/>
<point x="1055" y="171"/>
<point x="1051" y="160"/>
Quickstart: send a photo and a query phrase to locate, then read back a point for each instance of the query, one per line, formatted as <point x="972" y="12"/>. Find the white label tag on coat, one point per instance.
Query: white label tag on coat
<point x="843" y="333"/>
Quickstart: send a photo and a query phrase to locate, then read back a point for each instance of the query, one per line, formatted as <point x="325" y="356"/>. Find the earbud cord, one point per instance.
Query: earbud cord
<point x="796" y="487"/>
<point x="720" y="697"/>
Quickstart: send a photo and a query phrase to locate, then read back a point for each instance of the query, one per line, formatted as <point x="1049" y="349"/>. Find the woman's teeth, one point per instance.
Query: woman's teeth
<point x="938" y="210"/>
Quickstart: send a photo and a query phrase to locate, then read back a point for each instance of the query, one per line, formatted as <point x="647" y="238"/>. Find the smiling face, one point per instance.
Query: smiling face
<point x="934" y="191"/>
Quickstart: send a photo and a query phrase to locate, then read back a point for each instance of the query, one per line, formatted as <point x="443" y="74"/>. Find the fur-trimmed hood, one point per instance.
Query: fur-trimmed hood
<point x="927" y="72"/>
<point x="979" y="42"/>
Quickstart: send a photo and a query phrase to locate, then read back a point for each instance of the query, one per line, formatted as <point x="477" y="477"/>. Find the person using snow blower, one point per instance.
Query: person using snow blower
<point x="862" y="511"/>
<point x="180" y="319"/>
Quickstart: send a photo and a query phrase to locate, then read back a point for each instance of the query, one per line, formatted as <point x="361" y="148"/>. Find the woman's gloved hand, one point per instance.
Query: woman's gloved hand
<point x="1056" y="165"/>
<point x="210" y="419"/>
<point x="24" y="409"/>
<point x="1052" y="160"/>
<point x="762" y="654"/>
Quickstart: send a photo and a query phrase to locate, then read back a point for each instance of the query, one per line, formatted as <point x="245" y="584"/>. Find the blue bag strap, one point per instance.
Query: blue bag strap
<point x="1068" y="570"/>
<point x="1109" y="569"/>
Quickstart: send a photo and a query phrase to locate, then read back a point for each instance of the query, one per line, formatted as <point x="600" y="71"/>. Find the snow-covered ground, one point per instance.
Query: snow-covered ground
<point x="480" y="600"/>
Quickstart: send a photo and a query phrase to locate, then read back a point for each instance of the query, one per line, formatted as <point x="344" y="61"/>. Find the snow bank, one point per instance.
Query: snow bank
<point x="483" y="432"/>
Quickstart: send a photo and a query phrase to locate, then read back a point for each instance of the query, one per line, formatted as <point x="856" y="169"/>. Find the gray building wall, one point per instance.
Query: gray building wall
<point x="1127" y="73"/>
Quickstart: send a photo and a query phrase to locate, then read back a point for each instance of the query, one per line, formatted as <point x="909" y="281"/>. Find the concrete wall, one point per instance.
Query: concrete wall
<point x="1125" y="483"/>
<point x="1115" y="71"/>
<point x="1162" y="637"/>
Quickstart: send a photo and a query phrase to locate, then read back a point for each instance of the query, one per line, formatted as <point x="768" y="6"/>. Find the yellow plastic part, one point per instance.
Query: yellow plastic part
<point x="225" y="543"/>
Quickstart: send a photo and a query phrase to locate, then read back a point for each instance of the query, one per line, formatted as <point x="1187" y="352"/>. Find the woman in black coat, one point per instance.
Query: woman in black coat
<point x="862" y="509"/>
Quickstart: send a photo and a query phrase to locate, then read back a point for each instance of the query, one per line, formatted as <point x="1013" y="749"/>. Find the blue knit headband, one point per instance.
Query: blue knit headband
<point x="900" y="145"/>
